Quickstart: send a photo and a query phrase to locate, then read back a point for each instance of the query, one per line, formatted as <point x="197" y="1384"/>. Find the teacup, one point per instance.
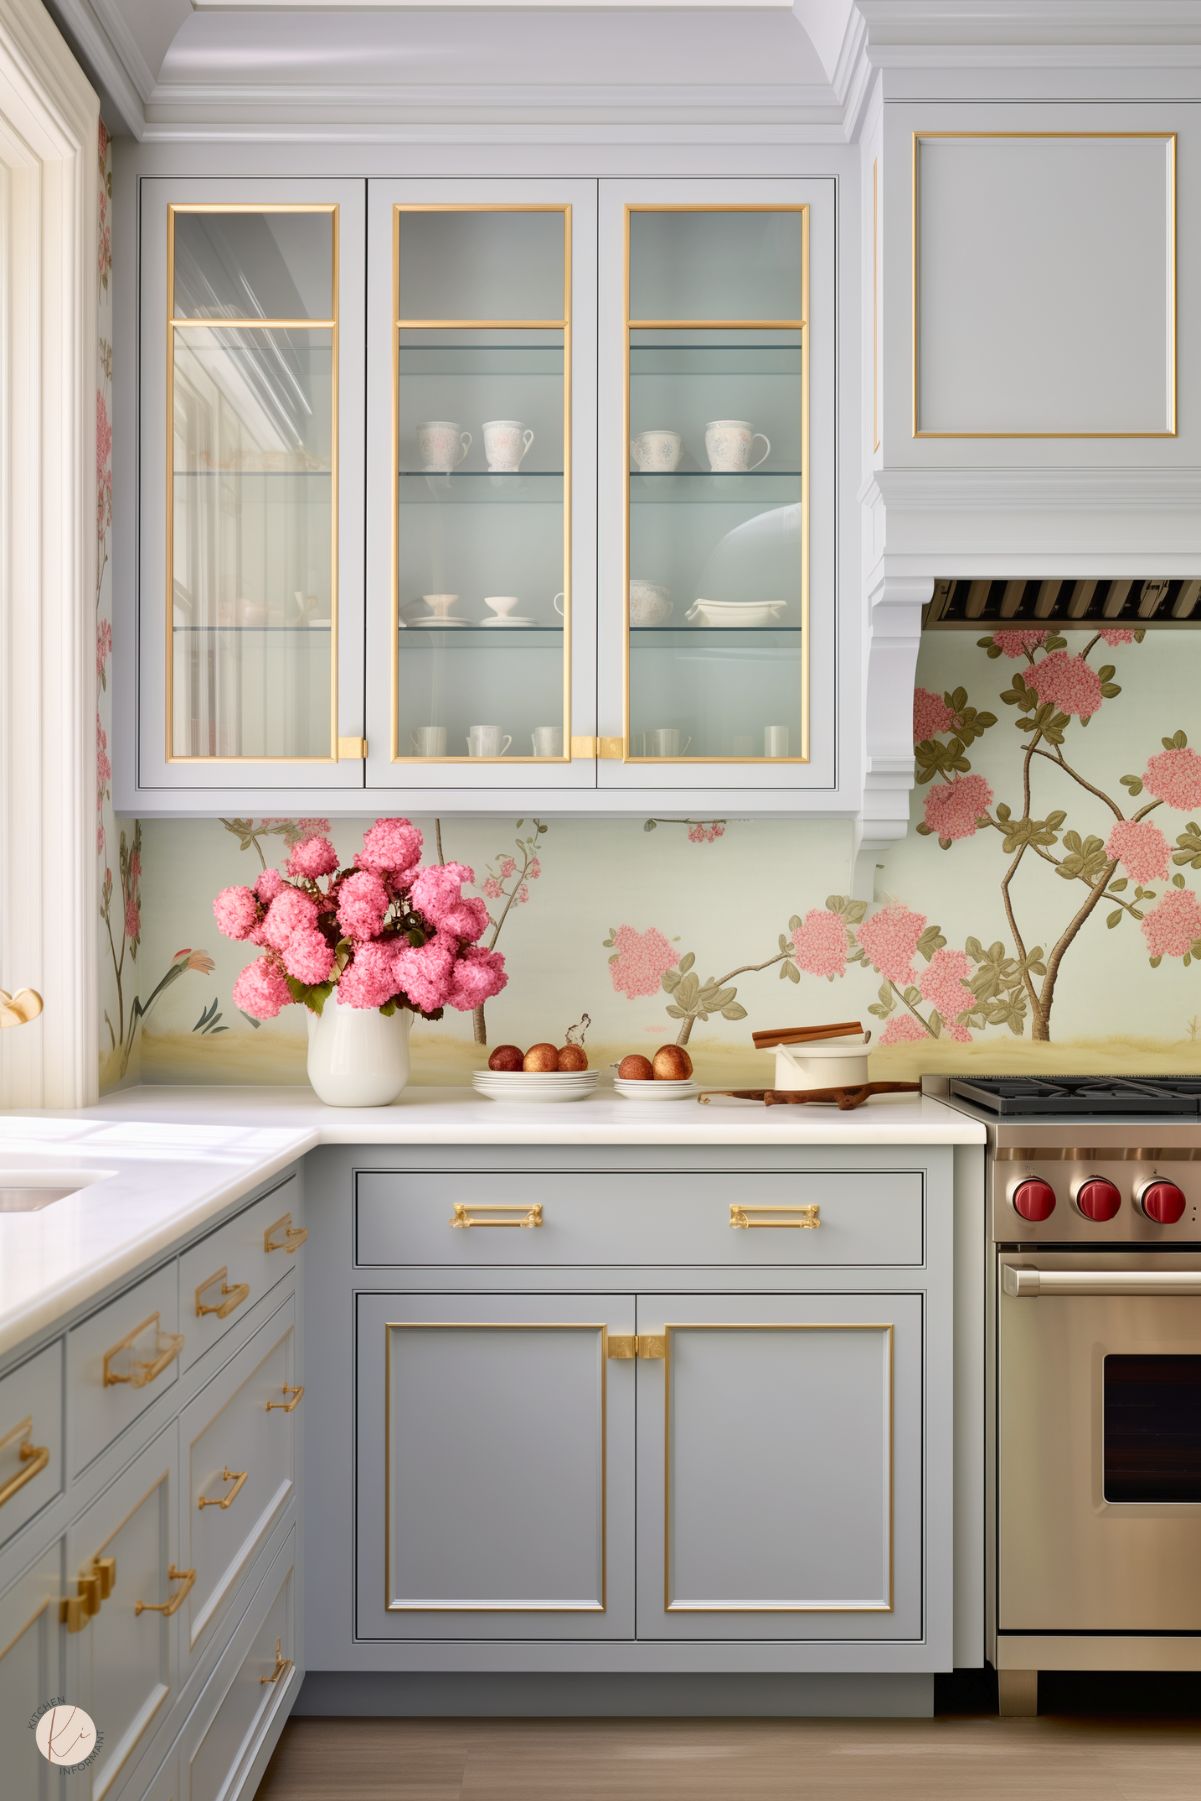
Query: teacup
<point x="559" y="603"/>
<point x="487" y="741"/>
<point x="547" y="740"/>
<point x="666" y="741"/>
<point x="650" y="602"/>
<point x="506" y="442"/>
<point x="502" y="604"/>
<point x="729" y="443"/>
<point x="440" y="605"/>
<point x="441" y="446"/>
<point x="429" y="741"/>
<point x="657" y="452"/>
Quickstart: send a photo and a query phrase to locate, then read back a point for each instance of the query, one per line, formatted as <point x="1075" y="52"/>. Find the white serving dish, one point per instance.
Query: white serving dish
<point x="828" y="1063"/>
<point x="728" y="614"/>
<point x="654" y="1091"/>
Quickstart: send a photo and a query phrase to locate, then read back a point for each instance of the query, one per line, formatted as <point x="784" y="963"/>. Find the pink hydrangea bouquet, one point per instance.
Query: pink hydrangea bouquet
<point x="388" y="933"/>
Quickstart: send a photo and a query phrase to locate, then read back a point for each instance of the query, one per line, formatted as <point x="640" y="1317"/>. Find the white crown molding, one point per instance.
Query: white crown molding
<point x="990" y="25"/>
<point x="1137" y="492"/>
<point x="101" y="38"/>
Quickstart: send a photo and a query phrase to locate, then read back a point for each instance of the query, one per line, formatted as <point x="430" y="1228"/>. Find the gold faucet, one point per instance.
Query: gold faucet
<point x="19" y="1008"/>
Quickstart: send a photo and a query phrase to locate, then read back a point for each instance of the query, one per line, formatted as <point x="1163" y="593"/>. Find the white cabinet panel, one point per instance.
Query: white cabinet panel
<point x="31" y="1674"/>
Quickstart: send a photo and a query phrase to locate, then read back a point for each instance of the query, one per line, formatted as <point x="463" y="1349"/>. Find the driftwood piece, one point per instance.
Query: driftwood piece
<point x="845" y="1098"/>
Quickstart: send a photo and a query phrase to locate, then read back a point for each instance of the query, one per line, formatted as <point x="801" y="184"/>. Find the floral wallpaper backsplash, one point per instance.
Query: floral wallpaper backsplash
<point x="1044" y="910"/>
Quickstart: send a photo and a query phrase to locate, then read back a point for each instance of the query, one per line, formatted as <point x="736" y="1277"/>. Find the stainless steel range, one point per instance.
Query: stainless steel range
<point x="1095" y="1342"/>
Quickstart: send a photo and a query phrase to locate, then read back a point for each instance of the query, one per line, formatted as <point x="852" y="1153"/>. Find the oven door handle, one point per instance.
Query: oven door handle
<point x="1024" y="1283"/>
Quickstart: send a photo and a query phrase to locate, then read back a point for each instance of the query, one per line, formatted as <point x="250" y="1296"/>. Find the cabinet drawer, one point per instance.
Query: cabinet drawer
<point x="809" y="1220"/>
<point x="255" y="1680"/>
<point x="119" y="1361"/>
<point x="238" y="1440"/>
<point x="31" y="1672"/>
<point x="31" y="1438"/>
<point x="222" y="1277"/>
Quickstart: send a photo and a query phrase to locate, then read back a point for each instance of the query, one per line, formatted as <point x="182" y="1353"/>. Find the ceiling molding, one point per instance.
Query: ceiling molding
<point x="101" y="41"/>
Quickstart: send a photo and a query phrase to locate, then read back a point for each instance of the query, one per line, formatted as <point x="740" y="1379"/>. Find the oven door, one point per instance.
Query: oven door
<point x="1099" y="1443"/>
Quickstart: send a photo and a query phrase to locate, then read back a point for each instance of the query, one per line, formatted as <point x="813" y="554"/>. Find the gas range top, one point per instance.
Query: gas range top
<point x="1077" y="1097"/>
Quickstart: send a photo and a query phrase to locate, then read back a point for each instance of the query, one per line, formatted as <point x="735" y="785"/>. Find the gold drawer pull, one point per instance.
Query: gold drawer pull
<point x="71" y="1614"/>
<point x="752" y="1219"/>
<point x="34" y="1458"/>
<point x="282" y="1664"/>
<point x="293" y="1236"/>
<point x="167" y="1347"/>
<point x="238" y="1478"/>
<point x="232" y="1295"/>
<point x="465" y="1216"/>
<point x="185" y="1578"/>
<point x="106" y="1569"/>
<point x="625" y="1347"/>
<point x="94" y="1586"/>
<point x="287" y="1406"/>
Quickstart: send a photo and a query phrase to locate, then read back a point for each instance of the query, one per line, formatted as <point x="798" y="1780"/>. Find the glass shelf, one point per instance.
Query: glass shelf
<point x="244" y="475"/>
<point x="468" y="631"/>
<point x="302" y="631"/>
<point x="533" y="487"/>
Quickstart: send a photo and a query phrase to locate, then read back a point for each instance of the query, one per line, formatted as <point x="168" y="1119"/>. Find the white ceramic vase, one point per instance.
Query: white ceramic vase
<point x="358" y="1057"/>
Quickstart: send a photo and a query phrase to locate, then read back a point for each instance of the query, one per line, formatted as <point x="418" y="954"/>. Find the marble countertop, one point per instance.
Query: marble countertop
<point x="165" y="1160"/>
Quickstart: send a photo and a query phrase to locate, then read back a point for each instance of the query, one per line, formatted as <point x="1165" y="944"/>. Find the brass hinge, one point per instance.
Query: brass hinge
<point x="607" y="749"/>
<point x="624" y="1346"/>
<point x="352" y="750"/>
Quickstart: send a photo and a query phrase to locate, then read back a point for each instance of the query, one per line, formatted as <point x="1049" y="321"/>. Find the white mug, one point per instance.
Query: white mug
<point x="440" y="605"/>
<point x="506" y="442"/>
<point x="559" y="603"/>
<point x="775" y="740"/>
<point x="441" y="446"/>
<point x="664" y="741"/>
<point x="657" y="452"/>
<point x="729" y="443"/>
<point x="487" y="741"/>
<point x="502" y="604"/>
<point x="429" y="741"/>
<point x="547" y="740"/>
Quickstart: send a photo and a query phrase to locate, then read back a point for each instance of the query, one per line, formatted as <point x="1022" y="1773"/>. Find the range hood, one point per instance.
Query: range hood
<point x="963" y="605"/>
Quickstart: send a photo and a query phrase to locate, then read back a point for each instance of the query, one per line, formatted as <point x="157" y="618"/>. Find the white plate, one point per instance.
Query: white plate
<point x="513" y="619"/>
<point x="551" y="1096"/>
<point x="443" y="625"/>
<point x="530" y="1078"/>
<point x="656" y="1091"/>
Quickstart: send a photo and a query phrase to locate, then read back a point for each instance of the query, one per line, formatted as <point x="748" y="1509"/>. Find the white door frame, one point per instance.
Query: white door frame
<point x="49" y="120"/>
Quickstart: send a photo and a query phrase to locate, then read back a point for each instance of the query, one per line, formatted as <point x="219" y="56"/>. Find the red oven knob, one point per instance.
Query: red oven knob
<point x="1034" y="1199"/>
<point x="1162" y="1202"/>
<point x="1098" y="1198"/>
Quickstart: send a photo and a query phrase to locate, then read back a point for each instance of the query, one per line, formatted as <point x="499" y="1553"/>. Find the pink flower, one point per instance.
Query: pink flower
<point x="104" y="437"/>
<point x="200" y="961"/>
<point x="236" y="911"/>
<point x="133" y="918"/>
<point x="392" y="848"/>
<point x="944" y="984"/>
<point x="819" y="943"/>
<point x="475" y="977"/>
<point x="696" y="834"/>
<point x="269" y="884"/>
<point x="1140" y="848"/>
<point x="104" y="644"/>
<point x="104" y="769"/>
<point x="717" y="829"/>
<point x="1067" y="682"/>
<point x="1117" y="634"/>
<point x="310" y="828"/>
<point x="308" y="957"/>
<point x="261" y="990"/>
<point x="493" y="889"/>
<point x="889" y="941"/>
<point x="639" y="961"/>
<point x="1174" y="926"/>
<point x="534" y="870"/>
<point x="1016" y="644"/>
<point x="959" y="1034"/>
<point x="902" y="1028"/>
<point x="1174" y="777"/>
<point x="311" y="858"/>
<point x="423" y="972"/>
<point x="507" y="866"/>
<point x="437" y="893"/>
<point x="931" y="715"/>
<point x="369" y="979"/>
<point x="953" y="809"/>
<point x="290" y="911"/>
<point x="523" y="895"/>
<point x="363" y="903"/>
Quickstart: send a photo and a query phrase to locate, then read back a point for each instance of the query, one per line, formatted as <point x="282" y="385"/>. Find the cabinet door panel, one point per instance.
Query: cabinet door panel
<point x="30" y="1674"/>
<point x="780" y="1467"/>
<point x="495" y="1467"/>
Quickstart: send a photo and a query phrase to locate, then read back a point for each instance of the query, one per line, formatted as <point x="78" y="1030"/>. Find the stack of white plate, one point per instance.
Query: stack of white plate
<point x="535" y="1085"/>
<point x="654" y="1091"/>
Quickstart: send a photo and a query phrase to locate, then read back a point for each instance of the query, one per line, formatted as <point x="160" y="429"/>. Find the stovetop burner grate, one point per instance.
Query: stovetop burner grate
<point x="1017" y="1097"/>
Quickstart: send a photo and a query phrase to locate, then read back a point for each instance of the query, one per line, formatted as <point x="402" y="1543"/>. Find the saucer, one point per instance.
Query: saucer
<point x="511" y="619"/>
<point x="432" y="619"/>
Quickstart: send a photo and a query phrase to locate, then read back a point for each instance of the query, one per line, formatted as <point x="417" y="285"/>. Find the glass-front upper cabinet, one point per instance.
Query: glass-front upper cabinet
<point x="251" y="566"/>
<point x="717" y="480"/>
<point x="481" y="537"/>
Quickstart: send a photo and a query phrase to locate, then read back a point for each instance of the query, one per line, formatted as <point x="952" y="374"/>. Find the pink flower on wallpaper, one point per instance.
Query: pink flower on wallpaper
<point x="696" y="834"/>
<point x="261" y="989"/>
<point x="133" y="918"/>
<point x="104" y="438"/>
<point x="236" y="911"/>
<point x="931" y="715"/>
<point x="1140" y="848"/>
<point x="308" y="957"/>
<point x="889" y="939"/>
<point x="507" y="868"/>
<point x="363" y="903"/>
<point x="493" y="889"/>
<point x="311" y="858"/>
<point x="104" y="769"/>
<point x="902" y="1028"/>
<point x="1016" y="644"/>
<point x="943" y="983"/>
<point x="819" y="943"/>
<point x="534" y="869"/>
<point x="1174" y="926"/>
<point x="523" y="895"/>
<point x="954" y="809"/>
<point x="1174" y="777"/>
<point x="104" y="645"/>
<point x="1117" y="634"/>
<point x="639" y="961"/>
<point x="1067" y="682"/>
<point x="958" y="1034"/>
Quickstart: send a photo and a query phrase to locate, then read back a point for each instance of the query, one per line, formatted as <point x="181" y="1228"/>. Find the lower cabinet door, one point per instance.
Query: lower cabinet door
<point x="780" y="1466"/>
<point x="122" y="1665"/>
<point x="495" y="1475"/>
<point x="31" y="1677"/>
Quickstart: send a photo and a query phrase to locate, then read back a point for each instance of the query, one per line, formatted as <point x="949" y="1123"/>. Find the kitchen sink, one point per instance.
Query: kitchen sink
<point x="28" y="1191"/>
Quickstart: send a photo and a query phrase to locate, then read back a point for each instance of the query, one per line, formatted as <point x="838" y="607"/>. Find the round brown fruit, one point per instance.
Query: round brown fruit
<point x="635" y="1068"/>
<point x="573" y="1056"/>
<point x="672" y="1063"/>
<point x="541" y="1057"/>
<point x="506" y="1056"/>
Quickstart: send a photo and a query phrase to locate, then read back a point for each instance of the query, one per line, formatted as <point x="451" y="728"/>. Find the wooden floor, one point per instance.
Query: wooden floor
<point x="955" y="1759"/>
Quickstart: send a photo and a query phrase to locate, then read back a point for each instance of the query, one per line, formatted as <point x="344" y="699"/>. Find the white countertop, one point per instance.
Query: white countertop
<point x="174" y="1157"/>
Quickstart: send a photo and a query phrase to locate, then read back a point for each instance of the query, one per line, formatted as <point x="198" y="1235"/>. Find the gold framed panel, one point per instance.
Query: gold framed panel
<point x="1166" y="137"/>
<point x="466" y="1325"/>
<point x="174" y="209"/>
<point x="801" y="325"/>
<point x="400" y="324"/>
<point x="733" y="1607"/>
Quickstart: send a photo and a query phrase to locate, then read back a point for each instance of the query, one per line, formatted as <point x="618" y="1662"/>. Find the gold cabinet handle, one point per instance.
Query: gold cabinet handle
<point x="751" y="1219"/>
<point x="232" y="1295"/>
<point x="465" y="1215"/>
<point x="238" y="1478"/>
<point x="185" y="1578"/>
<point x="34" y="1458"/>
<point x="287" y="1406"/>
<point x="167" y="1347"/>
<point x="293" y="1236"/>
<point x="94" y="1586"/>
<point x="71" y="1614"/>
<point x="282" y="1664"/>
<point x="106" y="1569"/>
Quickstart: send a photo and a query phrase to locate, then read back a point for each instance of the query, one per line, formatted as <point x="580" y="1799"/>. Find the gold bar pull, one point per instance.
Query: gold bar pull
<point x="90" y="1595"/>
<point x="71" y="1613"/>
<point x="185" y="1578"/>
<point x="293" y="1236"/>
<point x="286" y="1406"/>
<point x="33" y="1458"/>
<point x="621" y="1346"/>
<point x="233" y="1294"/>
<point x="352" y="750"/>
<point x="282" y="1664"/>
<point x="752" y="1219"/>
<point x="467" y="1215"/>
<point x="583" y="747"/>
<point x="652" y="1346"/>
<point x="611" y="750"/>
<point x="238" y="1478"/>
<point x="106" y="1569"/>
<point x="167" y="1346"/>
